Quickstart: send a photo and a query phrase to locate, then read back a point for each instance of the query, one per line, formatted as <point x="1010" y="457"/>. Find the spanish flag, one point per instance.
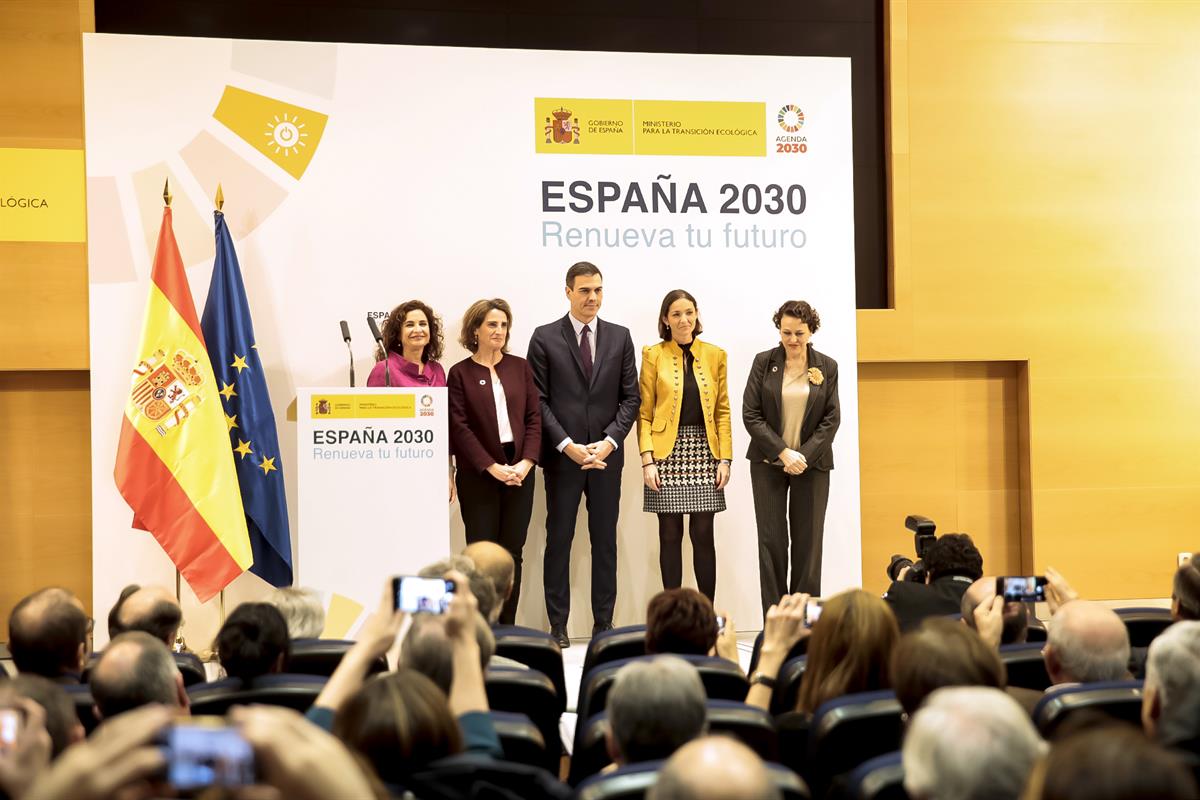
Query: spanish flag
<point x="174" y="466"/>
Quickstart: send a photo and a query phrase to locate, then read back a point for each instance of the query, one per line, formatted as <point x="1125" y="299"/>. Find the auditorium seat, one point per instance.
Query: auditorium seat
<point x="848" y="730"/>
<point x="478" y="775"/>
<point x="529" y="692"/>
<point x="284" y="689"/>
<point x="1036" y="630"/>
<point x="633" y="781"/>
<point x="628" y="641"/>
<point x="1144" y="624"/>
<point x="1121" y="700"/>
<point x="787" y="685"/>
<point x="81" y="696"/>
<point x="749" y="724"/>
<point x="536" y="650"/>
<point x="879" y="778"/>
<point x="798" y="649"/>
<point x="322" y="656"/>
<point x="191" y="668"/>
<point x="521" y="739"/>
<point x="1025" y="665"/>
<point x="723" y="680"/>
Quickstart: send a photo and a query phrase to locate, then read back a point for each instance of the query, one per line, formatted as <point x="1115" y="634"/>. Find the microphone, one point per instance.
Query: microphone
<point x="387" y="368"/>
<point x="346" y="339"/>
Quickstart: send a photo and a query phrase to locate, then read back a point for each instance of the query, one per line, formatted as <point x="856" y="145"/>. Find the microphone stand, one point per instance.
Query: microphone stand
<point x="387" y="365"/>
<point x="346" y="338"/>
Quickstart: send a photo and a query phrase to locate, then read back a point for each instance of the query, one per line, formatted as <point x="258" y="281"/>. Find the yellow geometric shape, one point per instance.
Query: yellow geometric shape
<point x="41" y="199"/>
<point x="267" y="465"/>
<point x="239" y="363"/>
<point x="227" y="390"/>
<point x="285" y="133"/>
<point x="582" y="126"/>
<point x="230" y="422"/>
<point x="700" y="128"/>
<point x="341" y="614"/>
<point x="243" y="448"/>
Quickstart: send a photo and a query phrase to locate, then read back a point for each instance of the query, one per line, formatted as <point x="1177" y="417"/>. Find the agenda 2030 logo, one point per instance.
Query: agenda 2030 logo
<point x="790" y="120"/>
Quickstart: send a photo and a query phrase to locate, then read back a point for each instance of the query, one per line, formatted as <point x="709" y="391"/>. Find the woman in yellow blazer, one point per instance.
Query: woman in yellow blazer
<point x="685" y="441"/>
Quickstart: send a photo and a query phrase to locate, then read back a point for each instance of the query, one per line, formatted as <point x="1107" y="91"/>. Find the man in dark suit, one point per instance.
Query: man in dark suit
<point x="952" y="564"/>
<point x="585" y="372"/>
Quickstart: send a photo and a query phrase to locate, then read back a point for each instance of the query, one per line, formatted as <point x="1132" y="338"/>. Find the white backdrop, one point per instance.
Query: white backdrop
<point x="426" y="183"/>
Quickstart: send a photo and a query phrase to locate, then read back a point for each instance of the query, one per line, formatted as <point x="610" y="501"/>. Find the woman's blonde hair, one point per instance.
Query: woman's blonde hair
<point x="850" y="648"/>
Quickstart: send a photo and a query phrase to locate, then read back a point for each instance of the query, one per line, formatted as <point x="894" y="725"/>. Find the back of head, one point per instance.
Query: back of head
<point x="62" y="723"/>
<point x="680" y="621"/>
<point x="136" y="669"/>
<point x="714" y="768"/>
<point x="942" y="653"/>
<point x="427" y="650"/>
<point x="253" y="641"/>
<point x="655" y="706"/>
<point x="1185" y="589"/>
<point x="1016" y="616"/>
<point x="480" y="584"/>
<point x="47" y="633"/>
<point x="850" y="648"/>
<point x="1173" y="683"/>
<point x="152" y="609"/>
<point x="1086" y="642"/>
<point x="301" y="610"/>
<point x="954" y="554"/>
<point x="1113" y="762"/>
<point x="495" y="563"/>
<point x="969" y="743"/>
<point x="399" y="721"/>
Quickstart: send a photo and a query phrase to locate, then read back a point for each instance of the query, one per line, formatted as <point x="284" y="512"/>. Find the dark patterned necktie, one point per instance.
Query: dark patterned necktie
<point x="585" y="352"/>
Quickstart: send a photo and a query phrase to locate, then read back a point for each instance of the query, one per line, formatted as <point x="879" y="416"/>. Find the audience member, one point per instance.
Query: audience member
<point x="48" y="635"/>
<point x="481" y="585"/>
<point x="152" y="609"/>
<point x="952" y="563"/>
<point x="850" y="649"/>
<point x="939" y="653"/>
<point x="253" y="642"/>
<point x="1185" y="590"/>
<point x="136" y="669"/>
<point x="25" y="757"/>
<point x="1015" y="628"/>
<point x="783" y="628"/>
<point x="1086" y="642"/>
<point x="497" y="565"/>
<point x="1113" y="762"/>
<point x="57" y="708"/>
<point x="969" y="743"/>
<point x="714" y="768"/>
<point x="302" y="611"/>
<point x="1171" y="699"/>
<point x="426" y="649"/>
<point x="654" y="707"/>
<point x="682" y="621"/>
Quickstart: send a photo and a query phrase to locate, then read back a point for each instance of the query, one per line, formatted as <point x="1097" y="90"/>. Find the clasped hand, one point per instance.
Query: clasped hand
<point x="511" y="475"/>
<point x="589" y="456"/>
<point x="793" y="462"/>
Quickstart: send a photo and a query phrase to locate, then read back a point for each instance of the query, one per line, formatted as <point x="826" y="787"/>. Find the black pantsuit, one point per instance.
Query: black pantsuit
<point x="564" y="489"/>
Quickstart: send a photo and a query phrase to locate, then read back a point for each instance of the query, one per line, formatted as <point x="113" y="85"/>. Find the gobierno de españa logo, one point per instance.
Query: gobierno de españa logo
<point x="790" y="119"/>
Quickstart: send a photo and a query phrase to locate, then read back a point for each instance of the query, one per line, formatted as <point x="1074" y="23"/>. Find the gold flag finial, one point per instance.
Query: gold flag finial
<point x="167" y="192"/>
<point x="220" y="198"/>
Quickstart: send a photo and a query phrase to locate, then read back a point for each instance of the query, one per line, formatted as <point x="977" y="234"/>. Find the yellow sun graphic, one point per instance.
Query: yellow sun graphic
<point x="287" y="135"/>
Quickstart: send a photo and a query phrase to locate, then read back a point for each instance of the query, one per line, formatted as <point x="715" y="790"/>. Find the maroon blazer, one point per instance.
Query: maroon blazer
<point x="474" y="432"/>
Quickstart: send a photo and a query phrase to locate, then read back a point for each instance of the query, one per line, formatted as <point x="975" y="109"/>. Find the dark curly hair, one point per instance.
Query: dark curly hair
<point x="680" y="621"/>
<point x="664" y="330"/>
<point x="954" y="554"/>
<point x="393" y="327"/>
<point x="801" y="311"/>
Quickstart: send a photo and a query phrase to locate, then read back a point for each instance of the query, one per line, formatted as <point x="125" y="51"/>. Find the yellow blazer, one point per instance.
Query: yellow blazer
<point x="662" y="397"/>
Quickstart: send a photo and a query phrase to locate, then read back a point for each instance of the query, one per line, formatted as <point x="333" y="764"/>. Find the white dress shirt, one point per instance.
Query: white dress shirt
<point x="578" y="326"/>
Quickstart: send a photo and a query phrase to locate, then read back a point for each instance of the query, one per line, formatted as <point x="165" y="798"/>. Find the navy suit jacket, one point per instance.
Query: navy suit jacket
<point x="574" y="407"/>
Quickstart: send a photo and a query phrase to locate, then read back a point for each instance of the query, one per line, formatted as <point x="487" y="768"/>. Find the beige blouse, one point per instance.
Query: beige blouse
<point x="795" y="400"/>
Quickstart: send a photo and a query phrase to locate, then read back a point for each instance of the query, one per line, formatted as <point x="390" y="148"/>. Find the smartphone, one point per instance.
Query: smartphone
<point x="204" y="752"/>
<point x="10" y="729"/>
<point x="1022" y="588"/>
<point x="812" y="612"/>
<point x="720" y="624"/>
<point x="421" y="595"/>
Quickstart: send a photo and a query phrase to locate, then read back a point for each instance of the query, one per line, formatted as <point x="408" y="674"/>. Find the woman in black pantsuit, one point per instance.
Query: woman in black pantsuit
<point x="790" y="409"/>
<point x="495" y="433"/>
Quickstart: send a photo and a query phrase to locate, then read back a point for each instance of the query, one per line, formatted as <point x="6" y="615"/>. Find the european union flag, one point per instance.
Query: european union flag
<point x="229" y="336"/>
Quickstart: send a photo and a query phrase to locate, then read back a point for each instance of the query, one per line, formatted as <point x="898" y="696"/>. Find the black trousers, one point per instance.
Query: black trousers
<point x="495" y="512"/>
<point x="565" y="485"/>
<point x="789" y="508"/>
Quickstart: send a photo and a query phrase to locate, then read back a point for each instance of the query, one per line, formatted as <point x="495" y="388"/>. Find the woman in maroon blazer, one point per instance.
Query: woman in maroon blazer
<point x="495" y="433"/>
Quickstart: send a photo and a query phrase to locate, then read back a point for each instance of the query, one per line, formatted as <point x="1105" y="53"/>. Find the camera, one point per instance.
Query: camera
<point x="421" y="595"/>
<point x="923" y="537"/>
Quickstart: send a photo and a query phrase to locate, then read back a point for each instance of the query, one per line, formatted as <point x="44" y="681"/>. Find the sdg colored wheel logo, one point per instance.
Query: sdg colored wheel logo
<point x="790" y="118"/>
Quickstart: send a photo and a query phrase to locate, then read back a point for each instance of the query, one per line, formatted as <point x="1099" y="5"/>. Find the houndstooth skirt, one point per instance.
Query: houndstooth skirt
<point x="689" y="478"/>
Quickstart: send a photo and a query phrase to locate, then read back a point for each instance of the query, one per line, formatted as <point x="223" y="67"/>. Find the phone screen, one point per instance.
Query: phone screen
<point x="812" y="612"/>
<point x="10" y="728"/>
<point x="1022" y="588"/>
<point x="421" y="595"/>
<point x="203" y="755"/>
<point x="720" y="623"/>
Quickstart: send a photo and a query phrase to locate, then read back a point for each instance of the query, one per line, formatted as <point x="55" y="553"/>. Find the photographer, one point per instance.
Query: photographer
<point x="952" y="564"/>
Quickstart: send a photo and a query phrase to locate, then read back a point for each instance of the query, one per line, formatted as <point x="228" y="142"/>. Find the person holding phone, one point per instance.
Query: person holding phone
<point x="495" y="435"/>
<point x="685" y="440"/>
<point x="791" y="411"/>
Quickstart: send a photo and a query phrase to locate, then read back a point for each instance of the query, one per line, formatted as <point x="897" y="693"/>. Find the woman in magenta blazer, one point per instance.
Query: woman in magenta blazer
<point x="495" y="433"/>
<point x="412" y="345"/>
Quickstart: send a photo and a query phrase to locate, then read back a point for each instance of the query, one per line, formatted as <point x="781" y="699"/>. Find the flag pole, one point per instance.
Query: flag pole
<point x="167" y="192"/>
<point x="220" y="198"/>
<point x="179" y="644"/>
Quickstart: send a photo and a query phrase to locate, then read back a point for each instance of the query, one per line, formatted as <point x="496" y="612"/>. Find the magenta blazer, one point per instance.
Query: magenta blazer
<point x="474" y="432"/>
<point x="404" y="373"/>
